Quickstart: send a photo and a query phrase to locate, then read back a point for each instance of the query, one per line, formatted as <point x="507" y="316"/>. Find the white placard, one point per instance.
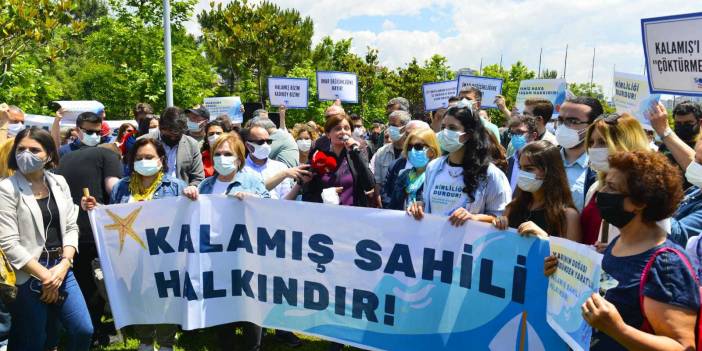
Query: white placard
<point x="631" y="95"/>
<point x="291" y="92"/>
<point x="673" y="51"/>
<point x="337" y="85"/>
<point x="490" y="87"/>
<point x="553" y="90"/>
<point x="71" y="109"/>
<point x="436" y="94"/>
<point x="228" y="105"/>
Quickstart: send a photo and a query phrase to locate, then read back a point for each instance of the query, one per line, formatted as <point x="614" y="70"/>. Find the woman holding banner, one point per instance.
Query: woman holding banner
<point x="213" y="130"/>
<point x="227" y="156"/>
<point x="534" y="210"/>
<point x="39" y="236"/>
<point x="654" y="304"/>
<point x="419" y="149"/>
<point x="464" y="184"/>
<point x="148" y="181"/>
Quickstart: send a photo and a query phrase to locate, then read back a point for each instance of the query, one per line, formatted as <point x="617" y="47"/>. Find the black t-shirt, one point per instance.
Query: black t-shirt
<point x="88" y="167"/>
<point x="50" y="216"/>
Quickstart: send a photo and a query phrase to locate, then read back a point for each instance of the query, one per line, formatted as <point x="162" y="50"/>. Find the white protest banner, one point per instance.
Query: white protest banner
<point x="631" y="95"/>
<point x="337" y="85"/>
<point x="291" y="92"/>
<point x="228" y="105"/>
<point x="71" y="109"/>
<point x="575" y="280"/>
<point x="553" y="90"/>
<point x="436" y="94"/>
<point x="377" y="279"/>
<point x="673" y="51"/>
<point x="491" y="87"/>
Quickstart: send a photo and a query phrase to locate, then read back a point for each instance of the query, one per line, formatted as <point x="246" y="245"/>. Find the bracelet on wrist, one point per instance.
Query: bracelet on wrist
<point x="666" y="133"/>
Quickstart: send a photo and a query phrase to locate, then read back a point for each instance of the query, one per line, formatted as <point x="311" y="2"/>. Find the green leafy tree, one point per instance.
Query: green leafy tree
<point x="592" y="90"/>
<point x="549" y="74"/>
<point x="253" y="41"/>
<point x="510" y="86"/>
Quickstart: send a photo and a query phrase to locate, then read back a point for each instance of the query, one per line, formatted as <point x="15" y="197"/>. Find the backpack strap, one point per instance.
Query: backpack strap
<point x="646" y="326"/>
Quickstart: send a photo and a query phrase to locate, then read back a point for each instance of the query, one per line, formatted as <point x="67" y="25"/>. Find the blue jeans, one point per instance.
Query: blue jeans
<point x="32" y="319"/>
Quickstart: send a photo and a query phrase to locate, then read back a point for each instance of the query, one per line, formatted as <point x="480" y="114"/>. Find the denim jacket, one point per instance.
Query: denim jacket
<point x="687" y="220"/>
<point x="169" y="187"/>
<point x="244" y="182"/>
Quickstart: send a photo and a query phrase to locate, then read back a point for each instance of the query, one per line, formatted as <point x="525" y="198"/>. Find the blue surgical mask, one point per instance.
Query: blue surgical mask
<point x="418" y="159"/>
<point x="147" y="168"/>
<point x="394" y="133"/>
<point x="450" y="140"/>
<point x="91" y="139"/>
<point x="518" y="141"/>
<point x="225" y="165"/>
<point x="194" y="126"/>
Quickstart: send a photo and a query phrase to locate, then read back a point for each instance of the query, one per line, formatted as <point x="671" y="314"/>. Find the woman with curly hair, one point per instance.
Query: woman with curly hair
<point x="305" y="136"/>
<point x="654" y="303"/>
<point x="463" y="184"/>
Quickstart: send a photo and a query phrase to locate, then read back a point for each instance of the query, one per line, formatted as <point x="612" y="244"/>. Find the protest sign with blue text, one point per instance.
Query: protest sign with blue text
<point x="337" y="85"/>
<point x="575" y="280"/>
<point x="436" y="94"/>
<point x="553" y="90"/>
<point x="366" y="277"/>
<point x="673" y="51"/>
<point x="291" y="92"/>
<point x="228" y="105"/>
<point x="631" y="95"/>
<point x="490" y="87"/>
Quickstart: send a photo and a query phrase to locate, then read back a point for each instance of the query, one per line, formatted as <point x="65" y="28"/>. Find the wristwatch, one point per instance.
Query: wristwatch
<point x="70" y="261"/>
<point x="667" y="133"/>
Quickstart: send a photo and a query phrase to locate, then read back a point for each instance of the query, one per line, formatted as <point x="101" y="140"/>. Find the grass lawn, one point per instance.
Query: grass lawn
<point x="206" y="340"/>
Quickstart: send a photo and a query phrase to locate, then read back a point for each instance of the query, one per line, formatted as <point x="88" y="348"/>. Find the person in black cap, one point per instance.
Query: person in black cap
<point x="197" y="118"/>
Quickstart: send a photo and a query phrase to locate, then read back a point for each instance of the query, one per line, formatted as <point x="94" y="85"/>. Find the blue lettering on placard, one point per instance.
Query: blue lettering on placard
<point x="208" y="289"/>
<point x="316" y="296"/>
<point x="370" y="260"/>
<point x="445" y="265"/>
<point x="157" y="241"/>
<point x="276" y="242"/>
<point x="240" y="238"/>
<point x="322" y="254"/>
<point x="186" y="242"/>
<point x="242" y="283"/>
<point x="163" y="284"/>
<point x="205" y="245"/>
<point x="400" y="260"/>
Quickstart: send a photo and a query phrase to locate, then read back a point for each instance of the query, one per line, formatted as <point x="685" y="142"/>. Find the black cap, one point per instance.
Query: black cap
<point x="200" y="111"/>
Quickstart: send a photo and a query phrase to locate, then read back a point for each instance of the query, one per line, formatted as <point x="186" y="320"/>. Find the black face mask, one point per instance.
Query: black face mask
<point x="687" y="132"/>
<point x="611" y="208"/>
<point x="170" y="141"/>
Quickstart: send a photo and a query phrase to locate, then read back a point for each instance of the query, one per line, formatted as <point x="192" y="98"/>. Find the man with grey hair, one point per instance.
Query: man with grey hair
<point x="284" y="147"/>
<point x="397" y="104"/>
<point x="386" y="155"/>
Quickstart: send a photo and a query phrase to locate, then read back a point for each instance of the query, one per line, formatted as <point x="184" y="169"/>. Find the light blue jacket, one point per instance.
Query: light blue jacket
<point x="243" y="182"/>
<point x="169" y="187"/>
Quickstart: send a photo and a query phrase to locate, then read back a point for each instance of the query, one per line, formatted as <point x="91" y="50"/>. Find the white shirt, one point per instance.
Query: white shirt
<point x="267" y="170"/>
<point x="220" y="187"/>
<point x="447" y="195"/>
<point x="171" y="156"/>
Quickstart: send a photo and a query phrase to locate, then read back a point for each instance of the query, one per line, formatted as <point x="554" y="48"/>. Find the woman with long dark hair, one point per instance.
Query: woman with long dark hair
<point x="542" y="204"/>
<point x="463" y="184"/>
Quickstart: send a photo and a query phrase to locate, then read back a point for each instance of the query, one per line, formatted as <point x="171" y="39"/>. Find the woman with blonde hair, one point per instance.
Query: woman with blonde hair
<point x="607" y="135"/>
<point x="305" y="136"/>
<point x="421" y="146"/>
<point x="5" y="149"/>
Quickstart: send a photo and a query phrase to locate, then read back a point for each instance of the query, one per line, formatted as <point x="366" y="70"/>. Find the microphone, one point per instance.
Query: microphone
<point x="345" y="138"/>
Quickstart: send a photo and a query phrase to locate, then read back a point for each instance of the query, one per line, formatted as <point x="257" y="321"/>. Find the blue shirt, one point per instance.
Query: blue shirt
<point x="577" y="176"/>
<point x="169" y="187"/>
<point x="687" y="220"/>
<point x="242" y="182"/>
<point x="66" y="148"/>
<point x="669" y="282"/>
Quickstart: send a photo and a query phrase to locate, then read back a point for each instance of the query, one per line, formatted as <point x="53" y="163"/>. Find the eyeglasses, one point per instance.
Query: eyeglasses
<point x="571" y="121"/>
<point x="417" y="146"/>
<point x="611" y="119"/>
<point x="261" y="142"/>
<point x="90" y="132"/>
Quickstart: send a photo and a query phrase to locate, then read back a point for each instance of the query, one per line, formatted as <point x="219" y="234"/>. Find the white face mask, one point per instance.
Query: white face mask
<point x="528" y="182"/>
<point x="211" y="139"/>
<point x="91" y="139"/>
<point x="194" y="126"/>
<point x="260" y="152"/>
<point x="693" y="174"/>
<point x="147" y="168"/>
<point x="225" y="165"/>
<point x="599" y="159"/>
<point x="568" y="138"/>
<point x="304" y="145"/>
<point x="359" y="132"/>
<point x="450" y="140"/>
<point x="14" y="129"/>
<point x="153" y="130"/>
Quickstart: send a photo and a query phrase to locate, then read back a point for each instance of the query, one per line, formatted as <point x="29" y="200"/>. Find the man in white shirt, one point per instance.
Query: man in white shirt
<point x="258" y="144"/>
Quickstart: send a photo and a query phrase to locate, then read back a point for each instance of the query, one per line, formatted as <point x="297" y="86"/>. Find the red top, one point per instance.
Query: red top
<point x="590" y="222"/>
<point x="207" y="163"/>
